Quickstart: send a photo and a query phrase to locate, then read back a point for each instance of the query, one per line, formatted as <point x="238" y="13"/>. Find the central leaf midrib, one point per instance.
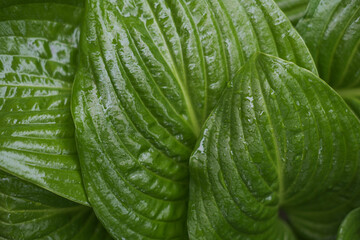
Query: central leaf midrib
<point x="274" y="139"/>
<point x="184" y="89"/>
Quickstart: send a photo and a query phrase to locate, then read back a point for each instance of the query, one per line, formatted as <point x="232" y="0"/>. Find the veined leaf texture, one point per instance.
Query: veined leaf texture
<point x="38" y="58"/>
<point x="103" y="103"/>
<point x="30" y="212"/>
<point x="38" y="54"/>
<point x="280" y="140"/>
<point x="150" y="73"/>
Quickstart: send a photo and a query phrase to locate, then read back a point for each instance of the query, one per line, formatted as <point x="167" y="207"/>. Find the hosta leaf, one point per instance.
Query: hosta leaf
<point x="350" y="227"/>
<point x="151" y="71"/>
<point x="38" y="52"/>
<point x="331" y="29"/>
<point x="278" y="157"/>
<point x="30" y="212"/>
<point x="294" y="9"/>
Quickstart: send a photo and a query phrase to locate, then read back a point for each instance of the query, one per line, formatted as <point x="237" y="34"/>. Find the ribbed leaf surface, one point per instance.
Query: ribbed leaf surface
<point x="151" y="72"/>
<point x="38" y="52"/>
<point x="30" y="212"/>
<point x="281" y="147"/>
<point x="331" y="29"/>
<point x="294" y="9"/>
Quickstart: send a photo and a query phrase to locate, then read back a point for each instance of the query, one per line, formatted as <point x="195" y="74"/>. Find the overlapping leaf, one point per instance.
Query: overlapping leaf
<point x="151" y="72"/>
<point x="331" y="29"/>
<point x="38" y="52"/>
<point x="280" y="143"/>
<point x="350" y="227"/>
<point x="30" y="212"/>
<point x="294" y="9"/>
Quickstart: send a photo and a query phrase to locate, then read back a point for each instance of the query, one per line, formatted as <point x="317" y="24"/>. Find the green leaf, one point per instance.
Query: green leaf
<point x="278" y="157"/>
<point x="331" y="29"/>
<point x="151" y="72"/>
<point x="30" y="212"/>
<point x="350" y="227"/>
<point x="294" y="9"/>
<point x="38" y="52"/>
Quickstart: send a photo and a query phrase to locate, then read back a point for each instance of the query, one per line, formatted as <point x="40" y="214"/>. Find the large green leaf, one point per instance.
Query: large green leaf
<point x="38" y="52"/>
<point x="331" y="29"/>
<point x="277" y="158"/>
<point x="294" y="9"/>
<point x="350" y="227"/>
<point x="30" y="212"/>
<point x="151" y="71"/>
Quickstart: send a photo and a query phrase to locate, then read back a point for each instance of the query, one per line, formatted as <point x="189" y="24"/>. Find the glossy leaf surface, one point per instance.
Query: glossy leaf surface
<point x="350" y="227"/>
<point x="30" y="212"/>
<point x="280" y="143"/>
<point x="38" y="55"/>
<point x="294" y="9"/>
<point x="151" y="72"/>
<point x="331" y="30"/>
